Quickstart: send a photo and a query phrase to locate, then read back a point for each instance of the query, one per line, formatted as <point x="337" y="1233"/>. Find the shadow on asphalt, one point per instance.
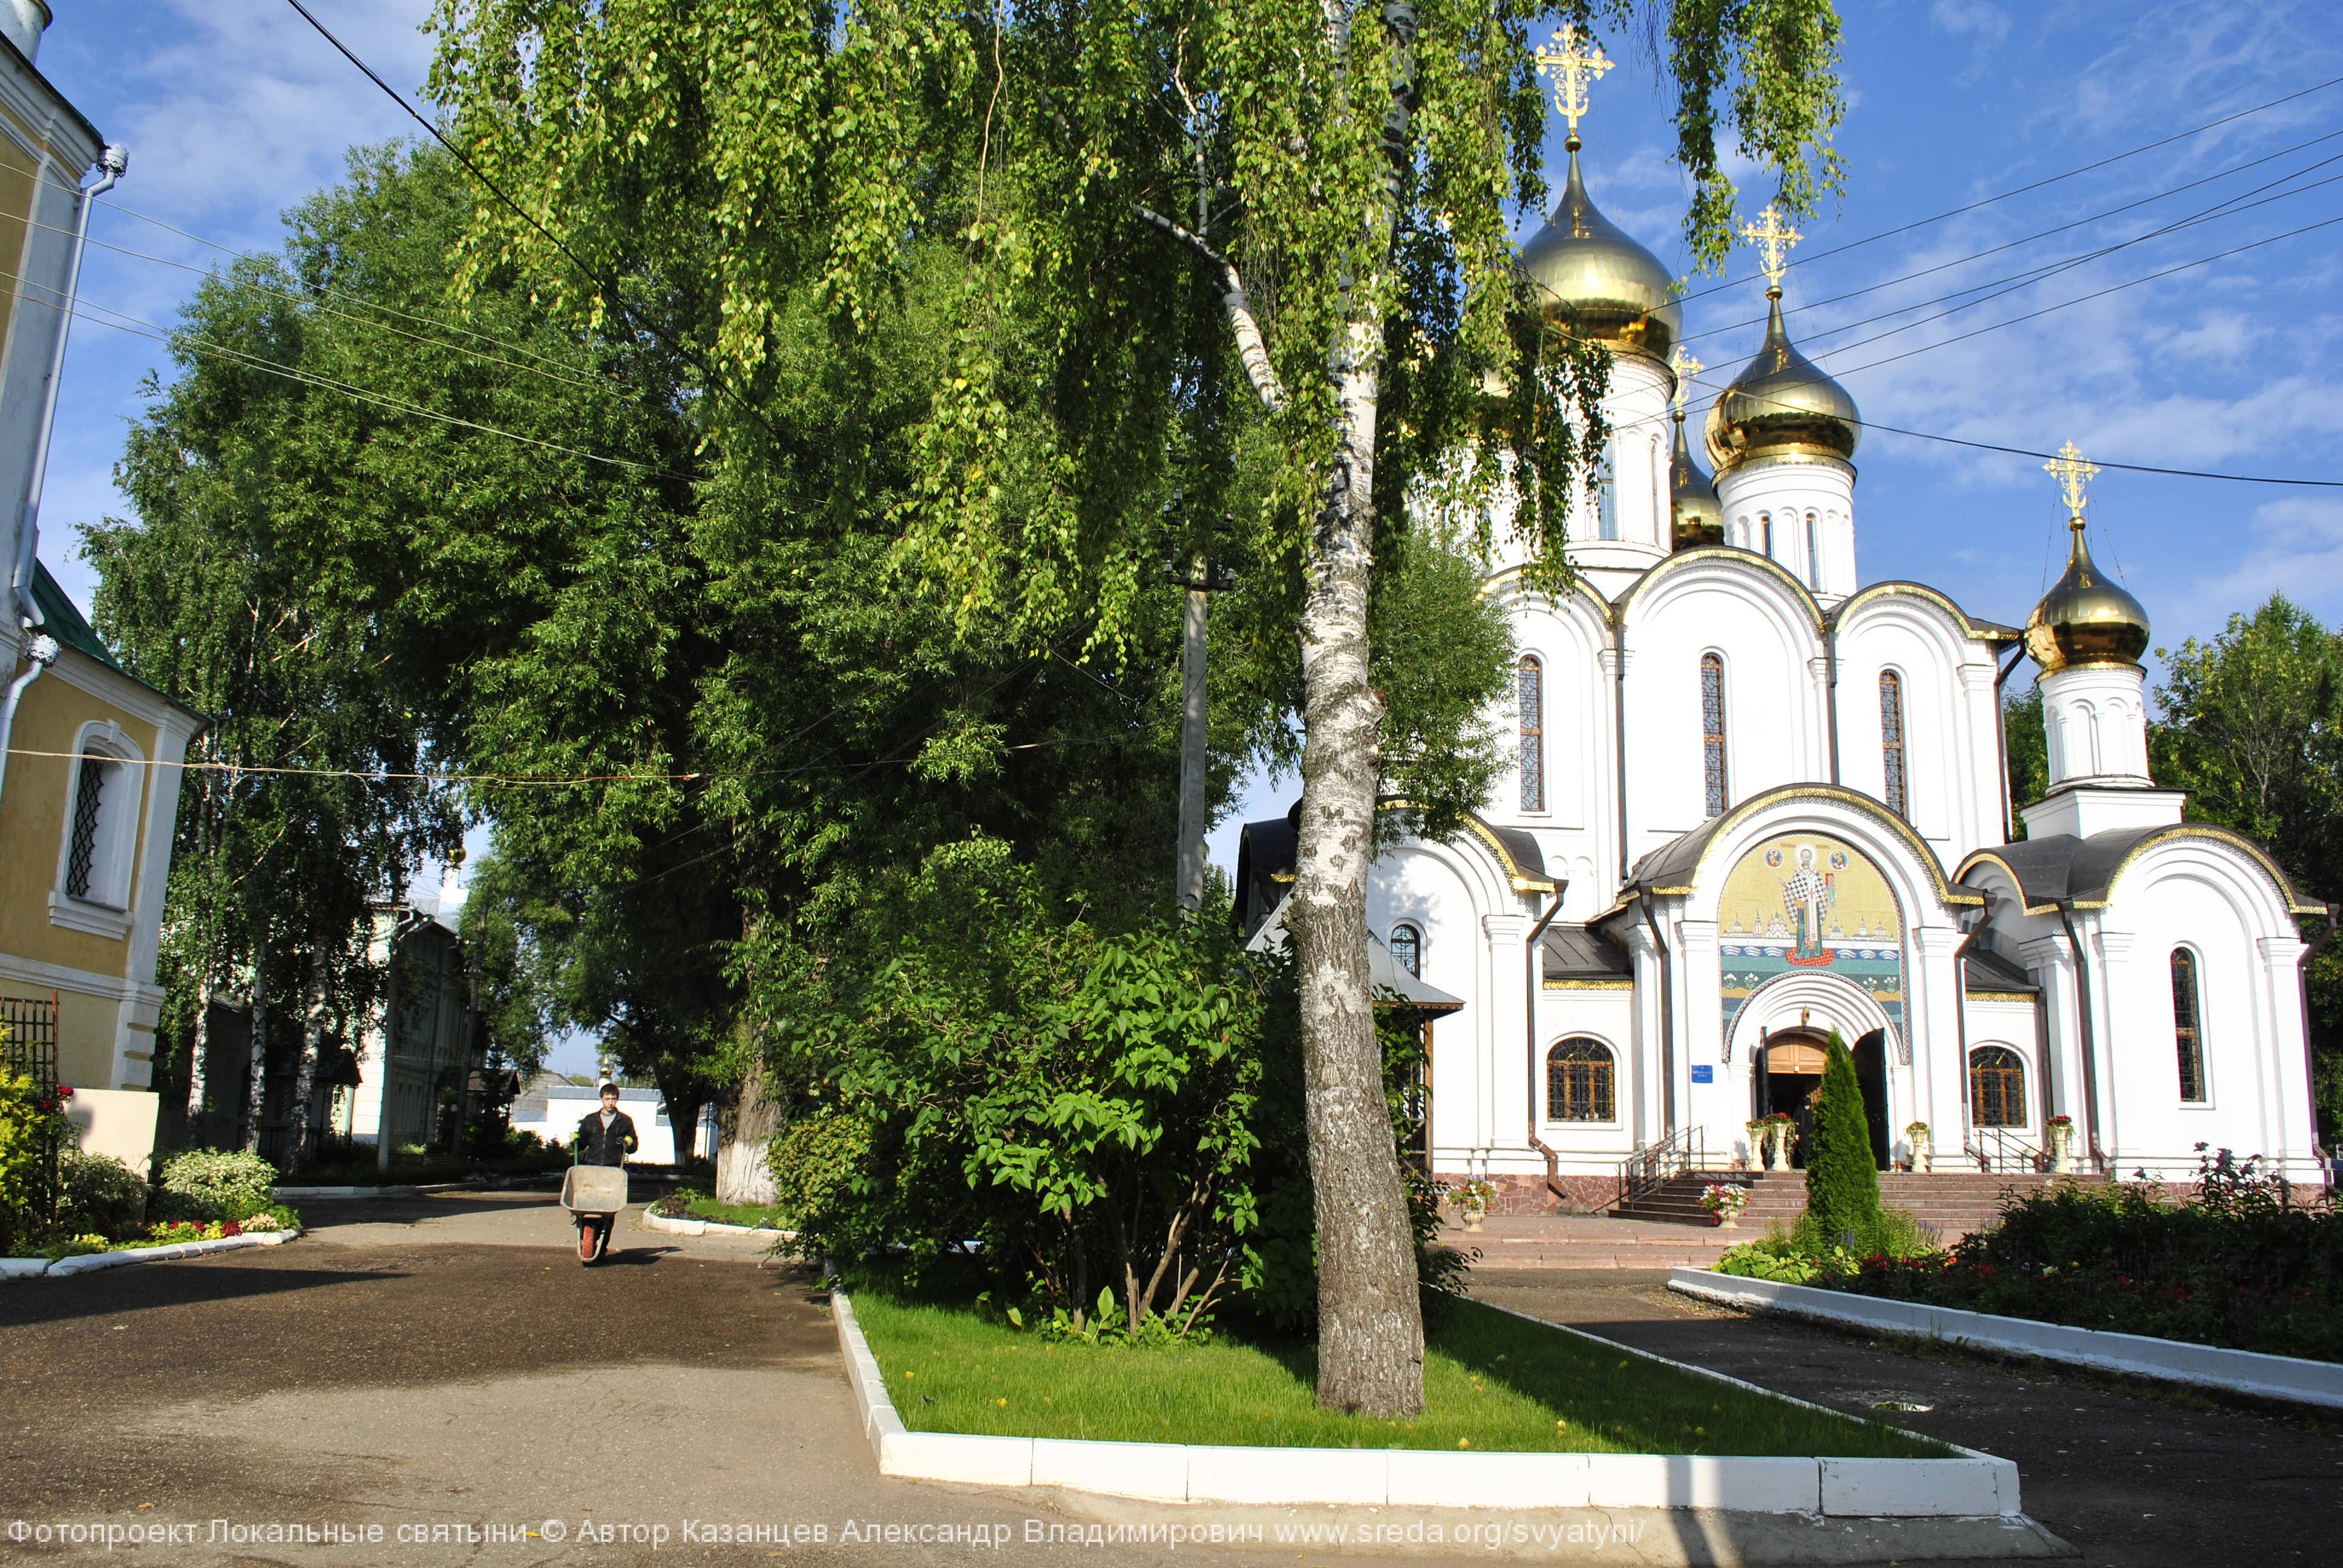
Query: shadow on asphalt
<point x="134" y="1287"/>
<point x="636" y="1257"/>
<point x="316" y="1211"/>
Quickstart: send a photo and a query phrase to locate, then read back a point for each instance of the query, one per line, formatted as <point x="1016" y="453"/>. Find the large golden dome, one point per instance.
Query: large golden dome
<point x="1694" y="517"/>
<point x="1781" y="406"/>
<point x="2085" y="618"/>
<point x="1597" y="284"/>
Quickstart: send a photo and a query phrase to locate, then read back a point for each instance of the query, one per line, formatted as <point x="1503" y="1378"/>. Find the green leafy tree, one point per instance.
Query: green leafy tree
<point x="1841" y="1176"/>
<point x="2027" y="749"/>
<point x="1154" y="241"/>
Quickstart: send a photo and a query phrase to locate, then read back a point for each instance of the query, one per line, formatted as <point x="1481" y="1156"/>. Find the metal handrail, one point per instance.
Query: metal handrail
<point x="1645" y="1169"/>
<point x="1999" y="1152"/>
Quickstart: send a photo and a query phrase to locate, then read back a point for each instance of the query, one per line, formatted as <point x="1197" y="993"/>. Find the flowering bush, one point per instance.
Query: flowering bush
<point x="1476" y="1192"/>
<point x="1725" y="1199"/>
<point x="32" y="1124"/>
<point x="98" y="1195"/>
<point x="208" y="1185"/>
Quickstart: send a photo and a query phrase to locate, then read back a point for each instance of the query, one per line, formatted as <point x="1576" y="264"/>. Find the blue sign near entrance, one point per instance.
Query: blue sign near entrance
<point x="1703" y="1074"/>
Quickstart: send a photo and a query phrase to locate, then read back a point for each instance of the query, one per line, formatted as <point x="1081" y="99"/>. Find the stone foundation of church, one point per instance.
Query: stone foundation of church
<point x="1518" y="1194"/>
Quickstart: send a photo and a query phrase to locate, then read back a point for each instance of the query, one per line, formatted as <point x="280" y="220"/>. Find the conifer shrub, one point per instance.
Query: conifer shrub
<point x="1842" y="1182"/>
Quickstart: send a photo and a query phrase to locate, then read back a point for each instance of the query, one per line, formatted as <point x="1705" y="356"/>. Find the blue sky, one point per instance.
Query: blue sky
<point x="233" y="113"/>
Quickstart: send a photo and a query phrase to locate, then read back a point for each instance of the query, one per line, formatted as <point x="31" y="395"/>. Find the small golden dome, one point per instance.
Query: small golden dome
<point x="1781" y="406"/>
<point x="2085" y="618"/>
<point x="1597" y="284"/>
<point x="1694" y="517"/>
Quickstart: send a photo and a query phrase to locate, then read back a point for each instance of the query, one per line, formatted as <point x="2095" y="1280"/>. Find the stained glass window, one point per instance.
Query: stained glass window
<point x="1533" y="728"/>
<point x="2186" y="1038"/>
<point x="1581" y="1082"/>
<point x="1606" y="504"/>
<point x="81" y="855"/>
<point x="1712" y="729"/>
<point x="1765" y="521"/>
<point x="1997" y="1087"/>
<point x="1814" y="554"/>
<point x="1407" y="948"/>
<point x="1891" y="742"/>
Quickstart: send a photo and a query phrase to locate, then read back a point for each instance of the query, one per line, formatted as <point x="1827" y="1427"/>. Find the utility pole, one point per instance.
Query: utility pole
<point x="1202" y="582"/>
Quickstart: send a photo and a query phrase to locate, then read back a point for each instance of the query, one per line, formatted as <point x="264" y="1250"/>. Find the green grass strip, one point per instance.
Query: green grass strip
<point x="1492" y="1381"/>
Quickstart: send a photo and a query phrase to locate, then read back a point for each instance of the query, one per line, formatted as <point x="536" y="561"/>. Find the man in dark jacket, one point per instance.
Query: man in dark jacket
<point x="606" y="1136"/>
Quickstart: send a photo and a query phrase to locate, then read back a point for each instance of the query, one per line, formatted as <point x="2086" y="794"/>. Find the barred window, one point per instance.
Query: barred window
<point x="1712" y="729"/>
<point x="1997" y="1087"/>
<point x="89" y="798"/>
<point x="1891" y="742"/>
<point x="1532" y="734"/>
<point x="2188" y="1041"/>
<point x="1581" y="1082"/>
<point x="1406" y="946"/>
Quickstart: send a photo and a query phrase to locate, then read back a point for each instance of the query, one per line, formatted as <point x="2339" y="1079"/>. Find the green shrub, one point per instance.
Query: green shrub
<point x="1842" y="1178"/>
<point x="208" y="1185"/>
<point x="99" y="1196"/>
<point x="814" y="1161"/>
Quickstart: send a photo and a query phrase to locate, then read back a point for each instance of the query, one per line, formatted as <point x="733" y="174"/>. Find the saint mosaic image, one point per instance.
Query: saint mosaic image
<point x="1805" y="901"/>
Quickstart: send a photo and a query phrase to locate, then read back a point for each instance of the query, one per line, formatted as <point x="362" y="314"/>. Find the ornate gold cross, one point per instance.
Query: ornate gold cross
<point x="1685" y="367"/>
<point x="1571" y="61"/>
<point x="1773" y="238"/>
<point x="2074" y="476"/>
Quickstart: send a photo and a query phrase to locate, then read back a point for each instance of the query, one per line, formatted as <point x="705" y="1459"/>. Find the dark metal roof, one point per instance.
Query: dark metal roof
<point x="61" y="621"/>
<point x="1266" y="851"/>
<point x="1581" y="953"/>
<point x="1393" y="987"/>
<point x="1984" y="970"/>
<point x="2063" y="867"/>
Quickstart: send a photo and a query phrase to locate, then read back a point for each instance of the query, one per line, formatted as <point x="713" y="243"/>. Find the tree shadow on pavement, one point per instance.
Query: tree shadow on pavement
<point x="136" y="1287"/>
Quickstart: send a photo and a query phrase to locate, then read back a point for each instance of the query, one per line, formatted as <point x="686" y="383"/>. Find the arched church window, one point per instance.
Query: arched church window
<point x="1606" y="502"/>
<point x="1814" y="554"/>
<point x="1712" y="729"/>
<point x="1533" y="733"/>
<point x="1997" y="1087"/>
<point x="1406" y="946"/>
<point x="100" y="833"/>
<point x="1891" y="743"/>
<point x="1581" y="1082"/>
<point x="1766" y="522"/>
<point x="2188" y="1041"/>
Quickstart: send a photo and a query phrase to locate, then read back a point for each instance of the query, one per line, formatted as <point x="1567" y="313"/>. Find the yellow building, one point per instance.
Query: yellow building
<point x="89" y="782"/>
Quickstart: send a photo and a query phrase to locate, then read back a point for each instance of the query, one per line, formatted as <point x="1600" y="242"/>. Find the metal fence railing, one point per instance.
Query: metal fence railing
<point x="1645" y="1169"/>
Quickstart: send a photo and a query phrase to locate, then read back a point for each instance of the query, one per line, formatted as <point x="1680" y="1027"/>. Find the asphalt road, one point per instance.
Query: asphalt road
<point x="443" y="1365"/>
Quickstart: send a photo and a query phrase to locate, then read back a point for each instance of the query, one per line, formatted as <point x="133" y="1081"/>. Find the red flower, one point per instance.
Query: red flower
<point x="64" y="1091"/>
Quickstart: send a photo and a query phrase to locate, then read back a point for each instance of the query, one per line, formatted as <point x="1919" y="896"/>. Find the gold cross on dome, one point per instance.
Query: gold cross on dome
<point x="1686" y="367"/>
<point x="2074" y="476"/>
<point x="1571" y="61"/>
<point x="1773" y="238"/>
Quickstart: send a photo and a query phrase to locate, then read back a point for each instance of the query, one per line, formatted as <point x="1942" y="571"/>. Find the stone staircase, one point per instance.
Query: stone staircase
<point x="1956" y="1203"/>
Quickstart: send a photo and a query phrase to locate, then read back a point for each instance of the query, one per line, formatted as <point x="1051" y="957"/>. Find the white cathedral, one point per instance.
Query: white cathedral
<point x="1753" y="802"/>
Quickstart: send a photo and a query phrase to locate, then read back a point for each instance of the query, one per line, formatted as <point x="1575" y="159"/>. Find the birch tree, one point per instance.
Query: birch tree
<point x="1265" y="232"/>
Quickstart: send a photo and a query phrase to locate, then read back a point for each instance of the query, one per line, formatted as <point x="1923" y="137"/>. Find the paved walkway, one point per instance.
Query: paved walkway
<point x="1590" y="1241"/>
<point x="444" y="1363"/>
<point x="2133" y="1481"/>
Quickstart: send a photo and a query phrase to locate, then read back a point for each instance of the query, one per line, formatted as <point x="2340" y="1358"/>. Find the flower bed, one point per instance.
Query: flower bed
<point x="2234" y="1266"/>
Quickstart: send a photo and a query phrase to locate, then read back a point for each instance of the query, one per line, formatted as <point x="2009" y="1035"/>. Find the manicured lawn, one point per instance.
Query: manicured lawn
<point x="695" y="1205"/>
<point x="1491" y="1382"/>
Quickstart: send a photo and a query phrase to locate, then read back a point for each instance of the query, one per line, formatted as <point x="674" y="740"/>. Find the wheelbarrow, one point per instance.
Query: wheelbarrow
<point x="594" y="1194"/>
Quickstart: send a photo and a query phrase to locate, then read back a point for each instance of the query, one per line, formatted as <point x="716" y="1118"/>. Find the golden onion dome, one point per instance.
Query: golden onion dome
<point x="1597" y="284"/>
<point x="2085" y="618"/>
<point x="1781" y="406"/>
<point x="1694" y="517"/>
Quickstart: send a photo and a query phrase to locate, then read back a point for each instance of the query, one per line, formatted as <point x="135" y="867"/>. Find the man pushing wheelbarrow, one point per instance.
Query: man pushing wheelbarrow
<point x="595" y="1190"/>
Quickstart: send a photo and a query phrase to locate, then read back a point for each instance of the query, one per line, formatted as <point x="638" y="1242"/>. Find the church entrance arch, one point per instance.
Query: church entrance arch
<point x="1783" y="1078"/>
<point x="1870" y="1053"/>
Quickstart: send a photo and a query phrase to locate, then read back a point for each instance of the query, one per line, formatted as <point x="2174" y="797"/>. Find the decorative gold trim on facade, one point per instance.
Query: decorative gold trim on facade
<point x="1590" y="985"/>
<point x="1978" y="631"/>
<point x="1799" y="591"/>
<point x="1948" y="890"/>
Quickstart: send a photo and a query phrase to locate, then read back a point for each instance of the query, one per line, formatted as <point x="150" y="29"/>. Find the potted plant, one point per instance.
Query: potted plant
<point x="1725" y="1200"/>
<point x="1918" y="1136"/>
<point x="1473" y="1196"/>
<point x="2060" y="1133"/>
<point x="1760" y="1143"/>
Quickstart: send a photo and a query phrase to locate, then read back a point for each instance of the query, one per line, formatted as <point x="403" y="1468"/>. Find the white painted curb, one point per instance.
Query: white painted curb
<point x="675" y="1227"/>
<point x="90" y="1263"/>
<point x="2286" y="1378"/>
<point x="1974" y="1485"/>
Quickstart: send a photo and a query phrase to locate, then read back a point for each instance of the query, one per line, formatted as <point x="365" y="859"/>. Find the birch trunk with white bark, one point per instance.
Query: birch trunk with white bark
<point x="305" y="1074"/>
<point x="1370" y="1320"/>
<point x="256" y="1091"/>
<point x="198" y="1055"/>
<point x="746" y="1121"/>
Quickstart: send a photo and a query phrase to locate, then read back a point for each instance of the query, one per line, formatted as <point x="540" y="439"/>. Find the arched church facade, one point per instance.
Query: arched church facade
<point x="1752" y="803"/>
